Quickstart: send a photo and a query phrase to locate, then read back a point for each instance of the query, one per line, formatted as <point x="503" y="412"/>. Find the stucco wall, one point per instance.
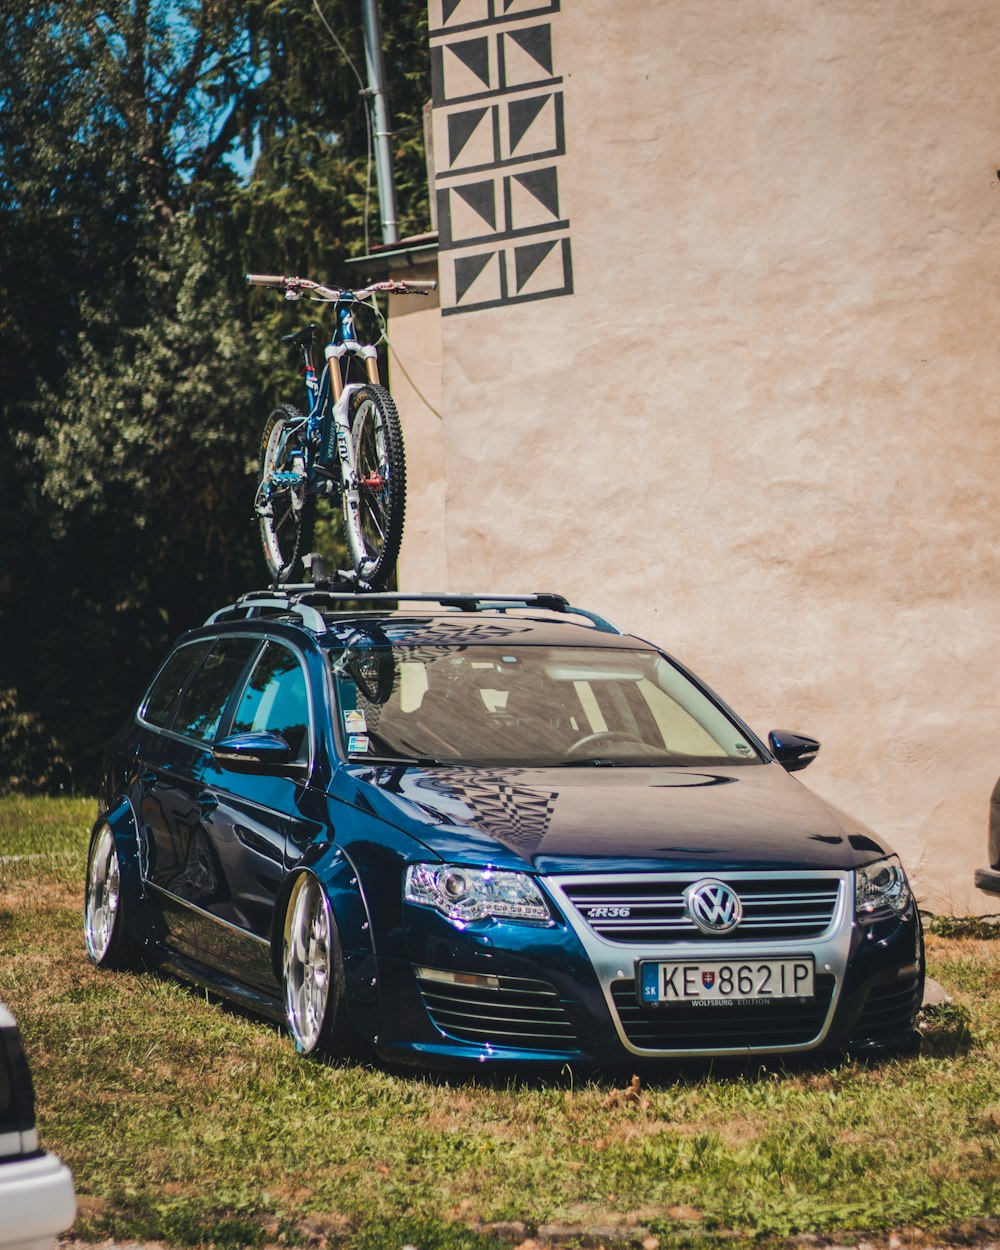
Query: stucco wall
<point x="763" y="429"/>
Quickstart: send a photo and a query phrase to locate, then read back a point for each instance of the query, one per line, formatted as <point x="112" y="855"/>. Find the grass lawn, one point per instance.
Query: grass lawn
<point x="185" y="1122"/>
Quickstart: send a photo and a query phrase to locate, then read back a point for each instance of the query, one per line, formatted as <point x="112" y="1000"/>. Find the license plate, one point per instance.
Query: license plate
<point x="725" y="980"/>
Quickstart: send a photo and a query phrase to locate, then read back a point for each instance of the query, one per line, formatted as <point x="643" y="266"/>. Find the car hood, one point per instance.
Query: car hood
<point x="617" y="819"/>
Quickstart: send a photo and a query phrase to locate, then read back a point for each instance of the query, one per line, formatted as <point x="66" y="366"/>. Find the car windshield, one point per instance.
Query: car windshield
<point x="529" y="706"/>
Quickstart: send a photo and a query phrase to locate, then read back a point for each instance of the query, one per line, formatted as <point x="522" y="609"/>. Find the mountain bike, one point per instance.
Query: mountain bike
<point x="346" y="452"/>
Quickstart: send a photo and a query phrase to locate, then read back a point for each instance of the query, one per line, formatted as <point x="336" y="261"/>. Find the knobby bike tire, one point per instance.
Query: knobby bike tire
<point x="375" y="533"/>
<point x="286" y="534"/>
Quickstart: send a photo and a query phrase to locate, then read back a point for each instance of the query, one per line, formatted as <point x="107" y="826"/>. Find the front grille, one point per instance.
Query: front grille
<point x="736" y="1026"/>
<point x="890" y="1009"/>
<point x="520" y="1012"/>
<point x="650" y="910"/>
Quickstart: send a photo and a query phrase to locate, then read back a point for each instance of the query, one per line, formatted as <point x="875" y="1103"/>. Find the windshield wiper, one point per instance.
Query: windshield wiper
<point x="599" y="761"/>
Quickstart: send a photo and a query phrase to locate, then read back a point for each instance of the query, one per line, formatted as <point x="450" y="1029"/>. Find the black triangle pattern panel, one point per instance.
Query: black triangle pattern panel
<point x="467" y="270"/>
<point x="543" y="184"/>
<point x="475" y="56"/>
<point x="500" y="138"/>
<point x="511" y="274"/>
<point x="537" y="42"/>
<point x="499" y="206"/>
<point x="454" y="15"/>
<point x="461" y="127"/>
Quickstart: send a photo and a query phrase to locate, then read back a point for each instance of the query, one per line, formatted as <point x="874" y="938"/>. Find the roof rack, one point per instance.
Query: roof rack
<point x="302" y="600"/>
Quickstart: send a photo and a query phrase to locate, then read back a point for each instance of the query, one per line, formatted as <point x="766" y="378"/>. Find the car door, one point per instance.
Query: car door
<point x="180" y="863"/>
<point x="252" y="810"/>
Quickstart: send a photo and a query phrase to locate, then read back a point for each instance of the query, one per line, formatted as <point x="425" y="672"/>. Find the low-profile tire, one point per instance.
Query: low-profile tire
<point x="286" y="529"/>
<point x="375" y="533"/>
<point x="109" y="944"/>
<point x="312" y="968"/>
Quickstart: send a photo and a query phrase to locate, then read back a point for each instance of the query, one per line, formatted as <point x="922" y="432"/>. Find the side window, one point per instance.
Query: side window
<point x="205" y="698"/>
<point x="275" y="700"/>
<point x="158" y="706"/>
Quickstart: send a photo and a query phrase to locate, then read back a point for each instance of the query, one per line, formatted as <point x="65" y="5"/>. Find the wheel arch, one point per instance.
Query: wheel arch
<point x="124" y="825"/>
<point x="340" y="882"/>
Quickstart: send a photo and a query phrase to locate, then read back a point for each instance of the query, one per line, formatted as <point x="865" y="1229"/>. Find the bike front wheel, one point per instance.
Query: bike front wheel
<point x="374" y="519"/>
<point x="285" y="511"/>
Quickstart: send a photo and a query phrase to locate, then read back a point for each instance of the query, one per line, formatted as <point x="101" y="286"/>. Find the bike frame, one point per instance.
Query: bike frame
<point x="327" y="426"/>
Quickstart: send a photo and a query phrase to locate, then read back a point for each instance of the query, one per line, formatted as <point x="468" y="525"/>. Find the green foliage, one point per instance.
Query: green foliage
<point x="32" y="758"/>
<point x="152" y="151"/>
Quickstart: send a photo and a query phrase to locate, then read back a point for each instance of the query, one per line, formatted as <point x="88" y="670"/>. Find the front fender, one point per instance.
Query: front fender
<point x="334" y="870"/>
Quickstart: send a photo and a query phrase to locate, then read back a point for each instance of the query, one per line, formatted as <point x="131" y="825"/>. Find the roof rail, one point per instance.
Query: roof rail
<point x="301" y="598"/>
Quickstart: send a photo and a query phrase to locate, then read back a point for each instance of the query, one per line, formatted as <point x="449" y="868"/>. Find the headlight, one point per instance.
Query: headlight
<point x="466" y="894"/>
<point x="880" y="888"/>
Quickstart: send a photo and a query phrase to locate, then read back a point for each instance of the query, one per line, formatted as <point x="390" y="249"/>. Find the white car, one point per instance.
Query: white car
<point x="36" y="1189"/>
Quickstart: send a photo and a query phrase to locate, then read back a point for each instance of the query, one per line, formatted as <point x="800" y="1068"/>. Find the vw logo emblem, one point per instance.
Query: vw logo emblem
<point x="713" y="906"/>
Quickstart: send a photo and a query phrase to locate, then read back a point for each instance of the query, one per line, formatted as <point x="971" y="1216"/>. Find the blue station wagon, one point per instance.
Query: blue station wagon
<point x="453" y="830"/>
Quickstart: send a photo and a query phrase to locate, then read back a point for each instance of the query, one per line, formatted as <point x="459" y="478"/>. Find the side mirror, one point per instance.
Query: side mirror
<point x="792" y="751"/>
<point x="254" y="750"/>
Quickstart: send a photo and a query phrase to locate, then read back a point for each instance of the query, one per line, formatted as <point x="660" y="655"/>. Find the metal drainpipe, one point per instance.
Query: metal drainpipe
<point x="380" y="112"/>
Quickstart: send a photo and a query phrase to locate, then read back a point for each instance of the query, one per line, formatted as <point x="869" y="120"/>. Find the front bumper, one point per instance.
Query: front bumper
<point x="36" y="1200"/>
<point x="505" y="992"/>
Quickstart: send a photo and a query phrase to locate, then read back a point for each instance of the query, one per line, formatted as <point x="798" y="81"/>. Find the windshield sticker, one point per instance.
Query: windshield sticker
<point x="354" y="721"/>
<point x="357" y="744"/>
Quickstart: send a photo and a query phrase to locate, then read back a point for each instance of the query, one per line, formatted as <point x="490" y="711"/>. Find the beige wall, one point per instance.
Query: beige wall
<point x="763" y="430"/>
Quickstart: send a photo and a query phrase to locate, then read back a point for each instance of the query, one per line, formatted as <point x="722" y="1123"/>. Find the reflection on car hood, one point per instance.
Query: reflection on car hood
<point x="618" y="819"/>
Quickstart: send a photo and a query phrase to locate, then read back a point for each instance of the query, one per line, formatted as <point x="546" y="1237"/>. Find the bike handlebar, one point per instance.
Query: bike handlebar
<point x="294" y="287"/>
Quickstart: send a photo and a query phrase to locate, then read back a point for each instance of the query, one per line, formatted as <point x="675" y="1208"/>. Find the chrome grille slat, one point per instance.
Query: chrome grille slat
<point x="487" y="1029"/>
<point x="517" y="1012"/>
<point x="797" y="907"/>
<point x="488" y="1007"/>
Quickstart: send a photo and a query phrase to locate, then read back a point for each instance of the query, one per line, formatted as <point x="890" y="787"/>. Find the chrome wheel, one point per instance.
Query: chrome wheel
<point x="103" y="896"/>
<point x="307" y="964"/>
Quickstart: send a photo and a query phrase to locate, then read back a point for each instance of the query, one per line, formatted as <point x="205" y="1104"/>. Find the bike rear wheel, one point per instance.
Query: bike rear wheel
<point x="374" y="524"/>
<point x="285" y="510"/>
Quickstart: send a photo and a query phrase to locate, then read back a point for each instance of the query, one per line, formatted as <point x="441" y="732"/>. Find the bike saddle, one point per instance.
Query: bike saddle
<point x="301" y="338"/>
